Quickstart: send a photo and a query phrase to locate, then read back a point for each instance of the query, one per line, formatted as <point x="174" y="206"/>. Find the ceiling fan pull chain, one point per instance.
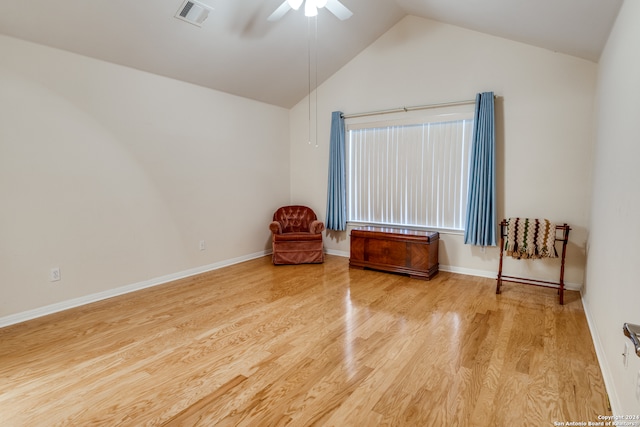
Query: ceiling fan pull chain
<point x="315" y="76"/>
<point x="309" y="72"/>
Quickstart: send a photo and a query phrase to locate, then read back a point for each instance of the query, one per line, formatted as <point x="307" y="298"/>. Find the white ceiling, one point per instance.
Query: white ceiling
<point x="238" y="51"/>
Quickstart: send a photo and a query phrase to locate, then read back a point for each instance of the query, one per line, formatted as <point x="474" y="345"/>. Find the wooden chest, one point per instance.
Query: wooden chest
<point x="396" y="250"/>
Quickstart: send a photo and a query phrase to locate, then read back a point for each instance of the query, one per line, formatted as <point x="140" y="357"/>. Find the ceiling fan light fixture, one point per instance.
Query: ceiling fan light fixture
<point x="310" y="9"/>
<point x="295" y="4"/>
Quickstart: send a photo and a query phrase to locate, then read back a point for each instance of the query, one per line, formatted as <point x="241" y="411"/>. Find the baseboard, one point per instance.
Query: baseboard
<point x="493" y="275"/>
<point x="76" y="302"/>
<point x="466" y="271"/>
<point x="337" y="253"/>
<point x="614" y="401"/>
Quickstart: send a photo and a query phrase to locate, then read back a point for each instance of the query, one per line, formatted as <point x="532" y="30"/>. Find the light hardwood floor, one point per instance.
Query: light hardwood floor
<point x="253" y="344"/>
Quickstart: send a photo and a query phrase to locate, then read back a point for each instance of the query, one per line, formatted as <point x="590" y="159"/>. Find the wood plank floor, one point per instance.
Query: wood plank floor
<point x="253" y="344"/>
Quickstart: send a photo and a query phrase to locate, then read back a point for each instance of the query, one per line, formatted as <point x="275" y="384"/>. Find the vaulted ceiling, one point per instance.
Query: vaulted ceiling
<point x="237" y="50"/>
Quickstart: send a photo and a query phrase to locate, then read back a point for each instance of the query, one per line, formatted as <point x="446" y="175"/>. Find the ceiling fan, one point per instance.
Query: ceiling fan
<point x="311" y="8"/>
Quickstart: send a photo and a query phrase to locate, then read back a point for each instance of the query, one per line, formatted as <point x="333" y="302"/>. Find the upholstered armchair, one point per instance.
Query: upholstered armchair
<point x="296" y="236"/>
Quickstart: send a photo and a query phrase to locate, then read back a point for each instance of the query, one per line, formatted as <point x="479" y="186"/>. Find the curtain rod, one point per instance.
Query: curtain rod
<point x="407" y="109"/>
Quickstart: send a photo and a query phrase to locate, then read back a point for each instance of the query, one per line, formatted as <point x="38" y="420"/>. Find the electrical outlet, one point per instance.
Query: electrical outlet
<point x="54" y="274"/>
<point x="203" y="245"/>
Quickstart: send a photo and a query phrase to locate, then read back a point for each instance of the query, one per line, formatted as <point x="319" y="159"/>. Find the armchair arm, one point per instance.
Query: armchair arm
<point x="316" y="227"/>
<point x="275" y="227"/>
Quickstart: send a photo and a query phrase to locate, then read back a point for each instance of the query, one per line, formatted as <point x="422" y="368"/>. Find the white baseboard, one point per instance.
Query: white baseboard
<point x="76" y="302"/>
<point x="466" y="271"/>
<point x="614" y="401"/>
<point x="494" y="275"/>
<point x="87" y="299"/>
<point x="337" y="253"/>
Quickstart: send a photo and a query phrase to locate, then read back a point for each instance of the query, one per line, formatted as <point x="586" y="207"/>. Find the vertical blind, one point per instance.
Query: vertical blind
<point x="410" y="175"/>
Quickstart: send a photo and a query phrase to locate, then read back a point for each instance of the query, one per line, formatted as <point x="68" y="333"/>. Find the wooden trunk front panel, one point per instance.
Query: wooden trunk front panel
<point x="397" y="250"/>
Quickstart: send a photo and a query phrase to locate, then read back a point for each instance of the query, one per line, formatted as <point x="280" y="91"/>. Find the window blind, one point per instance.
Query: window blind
<point x="409" y="174"/>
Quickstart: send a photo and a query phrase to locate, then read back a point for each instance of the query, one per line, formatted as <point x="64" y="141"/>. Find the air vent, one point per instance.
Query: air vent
<point x="193" y="12"/>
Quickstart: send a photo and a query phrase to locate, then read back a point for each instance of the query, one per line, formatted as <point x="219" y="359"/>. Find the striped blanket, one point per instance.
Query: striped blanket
<point x="530" y="238"/>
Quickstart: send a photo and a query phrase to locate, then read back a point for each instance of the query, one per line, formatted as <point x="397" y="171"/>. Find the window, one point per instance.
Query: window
<point x="412" y="172"/>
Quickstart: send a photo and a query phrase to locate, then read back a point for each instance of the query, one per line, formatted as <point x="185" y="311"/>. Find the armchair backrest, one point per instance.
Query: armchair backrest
<point x="295" y="218"/>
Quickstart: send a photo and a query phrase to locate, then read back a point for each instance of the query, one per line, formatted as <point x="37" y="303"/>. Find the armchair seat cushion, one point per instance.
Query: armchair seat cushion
<point x="296" y="236"/>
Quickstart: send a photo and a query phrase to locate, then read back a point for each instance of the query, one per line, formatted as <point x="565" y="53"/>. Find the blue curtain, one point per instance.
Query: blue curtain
<point x="337" y="190"/>
<point x="480" y="227"/>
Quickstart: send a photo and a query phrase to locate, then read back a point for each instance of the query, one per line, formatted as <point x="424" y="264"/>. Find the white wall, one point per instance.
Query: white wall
<point x="612" y="289"/>
<point x="545" y="112"/>
<point x="115" y="175"/>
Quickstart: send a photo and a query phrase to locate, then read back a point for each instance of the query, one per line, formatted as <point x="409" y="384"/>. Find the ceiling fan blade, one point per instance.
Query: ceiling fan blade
<point x="280" y="11"/>
<point x="338" y="9"/>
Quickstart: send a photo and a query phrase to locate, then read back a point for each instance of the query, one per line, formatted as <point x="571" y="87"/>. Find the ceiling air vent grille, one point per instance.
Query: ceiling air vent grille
<point x="193" y="12"/>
